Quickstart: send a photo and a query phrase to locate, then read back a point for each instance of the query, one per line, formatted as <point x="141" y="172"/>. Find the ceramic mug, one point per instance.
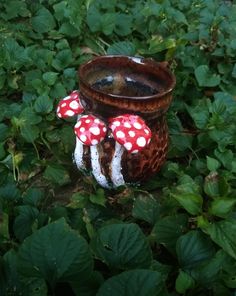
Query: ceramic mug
<point x="121" y="130"/>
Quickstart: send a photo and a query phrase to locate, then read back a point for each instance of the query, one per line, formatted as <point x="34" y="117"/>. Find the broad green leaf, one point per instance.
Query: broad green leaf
<point x="138" y="282"/>
<point x="122" y="48"/>
<point x="122" y="246"/>
<point x="43" y="22"/>
<point x="4" y="131"/>
<point x="212" y="164"/>
<point x="222" y="206"/>
<point x="55" y="253"/>
<point x="146" y="208"/>
<point x="223" y="234"/>
<point x="183" y="282"/>
<point x="215" y="185"/>
<point x="191" y="202"/>
<point x="168" y="229"/>
<point x="108" y="23"/>
<point x="30" y="133"/>
<point x="123" y="24"/>
<point x="23" y="223"/>
<point x="57" y="174"/>
<point x="9" y="192"/>
<point x="98" y="198"/>
<point x="33" y="196"/>
<point x="29" y="117"/>
<point x="62" y="60"/>
<point x="193" y="248"/>
<point x="205" y="77"/>
<point x="43" y="105"/>
<point x="50" y="77"/>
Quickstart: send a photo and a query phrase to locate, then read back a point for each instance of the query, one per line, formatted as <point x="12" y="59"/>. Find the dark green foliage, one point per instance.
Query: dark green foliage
<point x="60" y="234"/>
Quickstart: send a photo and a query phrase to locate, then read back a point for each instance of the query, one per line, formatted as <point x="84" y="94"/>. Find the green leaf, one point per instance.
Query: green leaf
<point x="43" y="22"/>
<point x="98" y="198"/>
<point x="191" y="202"/>
<point x="122" y="246"/>
<point x="212" y="164"/>
<point x="205" y="77"/>
<point x="215" y="185"/>
<point x="168" y="229"/>
<point x="222" y="206"/>
<point x="123" y="25"/>
<point x="223" y="234"/>
<point x="183" y="282"/>
<point x="24" y="221"/>
<point x="108" y="23"/>
<point x="50" y="77"/>
<point x="33" y="196"/>
<point x="55" y="253"/>
<point x="193" y="248"/>
<point x="146" y="208"/>
<point x="57" y="174"/>
<point x="43" y="105"/>
<point x="139" y="282"/>
<point x="30" y="133"/>
<point x="122" y="48"/>
<point x="62" y="60"/>
<point x="28" y="116"/>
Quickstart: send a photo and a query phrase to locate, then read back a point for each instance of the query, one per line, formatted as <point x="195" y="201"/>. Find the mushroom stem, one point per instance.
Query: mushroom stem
<point x="96" y="167"/>
<point x="116" y="175"/>
<point x="78" y="154"/>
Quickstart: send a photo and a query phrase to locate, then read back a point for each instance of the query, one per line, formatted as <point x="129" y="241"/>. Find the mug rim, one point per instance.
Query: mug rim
<point x="139" y="60"/>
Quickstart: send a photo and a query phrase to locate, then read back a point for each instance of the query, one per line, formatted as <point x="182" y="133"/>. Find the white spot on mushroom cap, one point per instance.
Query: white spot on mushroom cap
<point x="137" y="125"/>
<point x="78" y="124"/>
<point x="70" y="113"/>
<point x="116" y="123"/>
<point x="67" y="98"/>
<point x="59" y="115"/>
<point x="127" y="124"/>
<point x="141" y="141"/>
<point x="74" y="105"/>
<point x="96" y="120"/>
<point x="82" y="129"/>
<point x="63" y="105"/>
<point x="94" y="142"/>
<point x="135" y="151"/>
<point x="87" y="120"/>
<point x="146" y="131"/>
<point x="83" y="138"/>
<point x="94" y="130"/>
<point x="128" y="146"/>
<point x="131" y="133"/>
<point x="120" y="134"/>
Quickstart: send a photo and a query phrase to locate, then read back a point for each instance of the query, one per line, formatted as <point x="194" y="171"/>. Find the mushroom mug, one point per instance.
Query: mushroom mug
<point x="121" y="130"/>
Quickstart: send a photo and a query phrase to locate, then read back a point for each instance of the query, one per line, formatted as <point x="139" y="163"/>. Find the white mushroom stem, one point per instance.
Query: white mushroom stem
<point x="78" y="154"/>
<point x="116" y="175"/>
<point x="96" y="167"/>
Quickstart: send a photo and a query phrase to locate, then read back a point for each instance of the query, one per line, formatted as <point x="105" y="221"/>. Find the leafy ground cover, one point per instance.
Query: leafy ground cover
<point x="61" y="234"/>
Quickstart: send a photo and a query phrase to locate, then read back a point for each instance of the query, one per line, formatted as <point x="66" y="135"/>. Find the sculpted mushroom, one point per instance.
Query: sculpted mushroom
<point x="131" y="133"/>
<point x="90" y="131"/>
<point x="70" y="106"/>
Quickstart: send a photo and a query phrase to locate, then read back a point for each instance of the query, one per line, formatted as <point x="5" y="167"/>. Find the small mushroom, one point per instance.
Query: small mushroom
<point x="90" y="131"/>
<point x="70" y="106"/>
<point x="131" y="133"/>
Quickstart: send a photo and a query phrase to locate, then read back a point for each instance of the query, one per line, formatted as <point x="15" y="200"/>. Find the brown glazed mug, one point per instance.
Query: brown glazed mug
<point x="119" y="87"/>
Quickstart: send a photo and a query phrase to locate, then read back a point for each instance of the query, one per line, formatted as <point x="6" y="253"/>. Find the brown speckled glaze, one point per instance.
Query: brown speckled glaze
<point x="135" y="86"/>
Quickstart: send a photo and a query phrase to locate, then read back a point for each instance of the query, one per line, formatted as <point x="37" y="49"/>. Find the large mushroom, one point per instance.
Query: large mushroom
<point x="131" y="133"/>
<point x="90" y="131"/>
<point x="70" y="106"/>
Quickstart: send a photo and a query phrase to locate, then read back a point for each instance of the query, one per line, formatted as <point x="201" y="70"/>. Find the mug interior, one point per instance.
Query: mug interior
<point x="130" y="77"/>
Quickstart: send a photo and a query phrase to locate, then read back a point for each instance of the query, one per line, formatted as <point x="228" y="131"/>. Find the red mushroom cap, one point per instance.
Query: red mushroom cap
<point x="70" y="106"/>
<point x="90" y="130"/>
<point x="130" y="131"/>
